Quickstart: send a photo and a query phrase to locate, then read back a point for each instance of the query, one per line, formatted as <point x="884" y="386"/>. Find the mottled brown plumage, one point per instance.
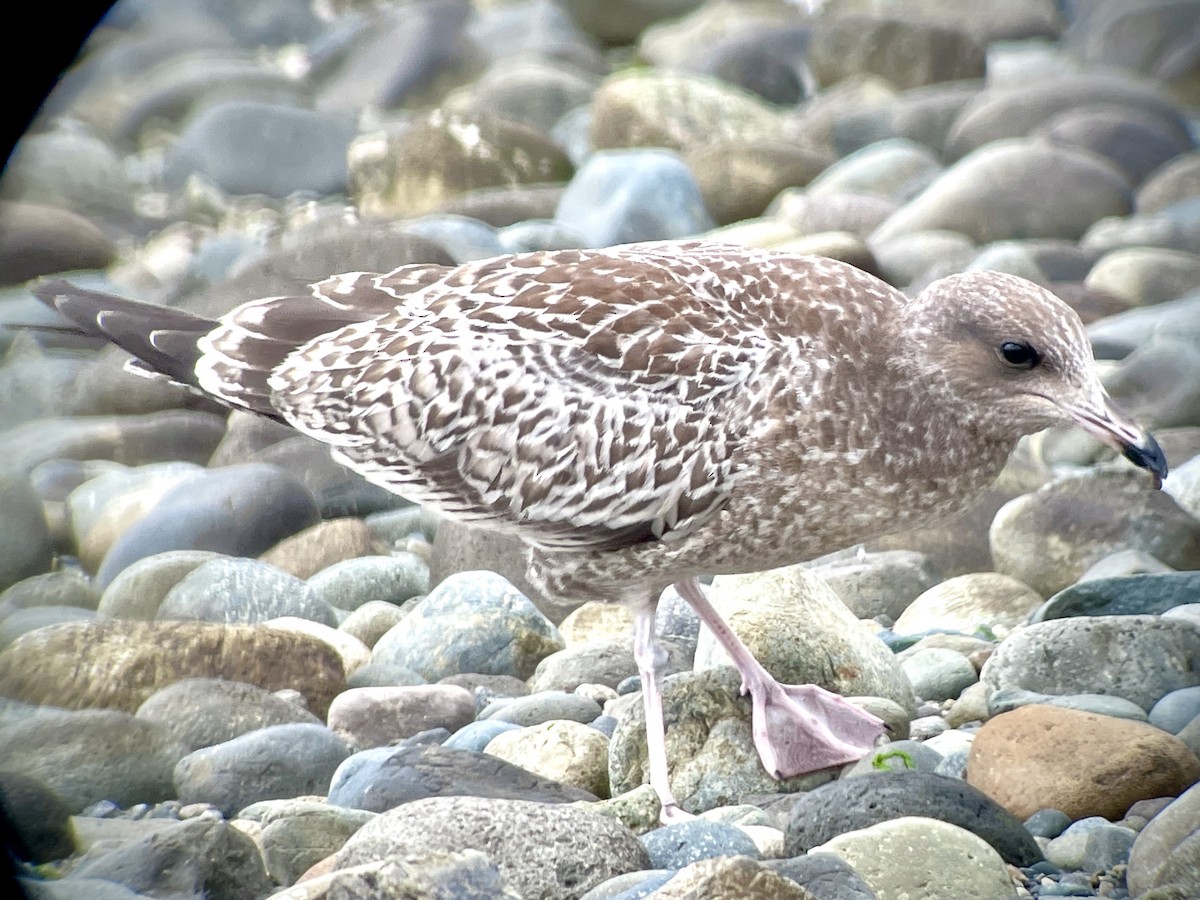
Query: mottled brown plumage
<point x="643" y="414"/>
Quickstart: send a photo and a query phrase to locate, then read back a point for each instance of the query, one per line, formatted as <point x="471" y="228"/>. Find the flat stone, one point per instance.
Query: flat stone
<point x="353" y="582"/>
<point x="394" y="777"/>
<point x="1063" y="755"/>
<point x="1131" y="595"/>
<point x="1008" y="699"/>
<point x="543" y="706"/>
<point x="601" y="662"/>
<point x="681" y="844"/>
<point x="380" y="716"/>
<point x="273" y="763"/>
<point x="298" y="834"/>
<point x="117" y="664"/>
<point x="544" y="851"/>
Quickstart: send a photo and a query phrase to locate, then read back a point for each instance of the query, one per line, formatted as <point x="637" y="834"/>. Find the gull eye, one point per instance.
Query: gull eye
<point x="1018" y="354"/>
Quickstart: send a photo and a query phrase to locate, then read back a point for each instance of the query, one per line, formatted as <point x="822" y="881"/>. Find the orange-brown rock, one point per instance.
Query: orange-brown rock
<point x="1082" y="763"/>
<point x="117" y="664"/>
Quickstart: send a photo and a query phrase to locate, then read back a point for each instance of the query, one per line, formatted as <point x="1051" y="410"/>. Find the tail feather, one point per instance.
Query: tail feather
<point x="230" y="360"/>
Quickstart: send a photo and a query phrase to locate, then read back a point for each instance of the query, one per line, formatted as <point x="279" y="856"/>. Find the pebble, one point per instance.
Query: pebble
<point x="238" y="511"/>
<point x="564" y="751"/>
<point x="937" y="674"/>
<point x="201" y="712"/>
<point x="298" y="834"/>
<point x="676" y="846"/>
<point x="138" y="590"/>
<point x="883" y="583"/>
<point x="1166" y="852"/>
<point x="969" y="602"/>
<point x="915" y="855"/>
<point x="897" y="756"/>
<point x="543" y="706"/>
<point x="272" y="763"/>
<point x="1176" y="709"/>
<point x="599" y="662"/>
<point x="242" y="591"/>
<point x="623" y="196"/>
<point x="1081" y="763"/>
<point x="858" y="803"/>
<point x="1147" y="657"/>
<point x="92" y="755"/>
<point x="471" y="622"/>
<point x="386" y="777"/>
<point x="382" y="716"/>
<point x="1148" y="594"/>
<point x="372" y="620"/>
<point x="543" y="851"/>
<point x="1008" y="699"/>
<point x="392" y="579"/>
<point x="321" y="546"/>
<point x="25" y="545"/>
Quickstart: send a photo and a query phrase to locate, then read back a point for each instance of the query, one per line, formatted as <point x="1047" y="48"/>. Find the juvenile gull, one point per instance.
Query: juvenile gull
<point x="644" y="414"/>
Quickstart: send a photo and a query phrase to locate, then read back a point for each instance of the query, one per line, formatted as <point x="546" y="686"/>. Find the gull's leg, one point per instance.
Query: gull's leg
<point x="650" y="658"/>
<point x="797" y="728"/>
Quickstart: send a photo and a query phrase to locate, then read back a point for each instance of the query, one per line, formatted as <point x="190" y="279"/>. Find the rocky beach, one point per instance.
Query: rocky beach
<point x="232" y="668"/>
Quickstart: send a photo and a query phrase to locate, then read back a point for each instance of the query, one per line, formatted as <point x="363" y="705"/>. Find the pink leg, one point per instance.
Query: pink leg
<point x="650" y="657"/>
<point x="797" y="728"/>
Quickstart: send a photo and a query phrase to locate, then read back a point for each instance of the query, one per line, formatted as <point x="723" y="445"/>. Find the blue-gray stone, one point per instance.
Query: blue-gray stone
<point x="1047" y="823"/>
<point x="1009" y="699"/>
<point x="417" y="771"/>
<point x="353" y="582"/>
<point x="679" y="845"/>
<point x="476" y="736"/>
<point x="379" y="673"/>
<point x="22" y="621"/>
<point x="631" y="885"/>
<point x="1130" y="595"/>
<point x="239" y="511"/>
<point x="622" y="196"/>
<point x="824" y="875"/>
<point x="275" y="763"/>
<point x="242" y="591"/>
<point x="954" y="764"/>
<point x="1175" y="710"/>
<point x="855" y="803"/>
<point x="25" y="545"/>
<point x="247" y="147"/>
<point x="523" y="237"/>
<point x="472" y="622"/>
<point x="939" y="674"/>
<point x="544" y="706"/>
<point x="465" y="239"/>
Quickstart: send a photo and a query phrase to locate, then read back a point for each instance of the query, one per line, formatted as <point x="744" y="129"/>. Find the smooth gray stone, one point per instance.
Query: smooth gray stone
<point x="1130" y="595"/>
<point x="679" y="845"/>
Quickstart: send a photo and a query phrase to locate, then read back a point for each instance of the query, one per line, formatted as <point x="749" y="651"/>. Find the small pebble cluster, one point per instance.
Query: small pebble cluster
<point x="230" y="668"/>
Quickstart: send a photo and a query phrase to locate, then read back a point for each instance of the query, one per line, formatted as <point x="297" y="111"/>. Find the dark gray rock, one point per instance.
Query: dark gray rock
<point x="39" y="822"/>
<point x="676" y="846"/>
<point x="896" y="756"/>
<point x="247" y="147"/>
<point x="552" y="852"/>
<point x="25" y="545"/>
<point x="92" y="755"/>
<point x="243" y="591"/>
<point x="471" y="622"/>
<point x="1146" y="657"/>
<point x="198" y="857"/>
<point x="201" y="712"/>
<point x="1137" y="142"/>
<point x="857" y="803"/>
<point x="239" y="511"/>
<point x="1047" y="823"/>
<point x="278" y="762"/>
<point x="415" y="772"/>
<point x="1132" y="595"/>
